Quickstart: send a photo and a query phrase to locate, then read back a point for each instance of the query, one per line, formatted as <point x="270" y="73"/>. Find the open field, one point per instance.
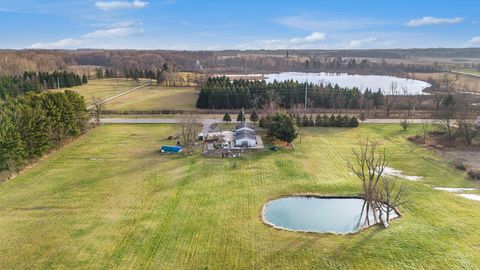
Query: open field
<point x="109" y="200"/>
<point x="458" y="81"/>
<point x="156" y="98"/>
<point x="104" y="88"/>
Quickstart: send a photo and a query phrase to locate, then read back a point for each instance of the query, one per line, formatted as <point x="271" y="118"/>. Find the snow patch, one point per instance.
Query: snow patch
<point x="474" y="197"/>
<point x="454" y="190"/>
<point x="388" y="171"/>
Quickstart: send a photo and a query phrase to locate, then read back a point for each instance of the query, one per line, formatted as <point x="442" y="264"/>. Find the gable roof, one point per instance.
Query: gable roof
<point x="243" y="125"/>
<point x="243" y="134"/>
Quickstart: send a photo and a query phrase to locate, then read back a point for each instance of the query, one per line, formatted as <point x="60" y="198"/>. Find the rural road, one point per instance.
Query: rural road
<point x="119" y="95"/>
<point x="208" y="122"/>
<point x="465" y="73"/>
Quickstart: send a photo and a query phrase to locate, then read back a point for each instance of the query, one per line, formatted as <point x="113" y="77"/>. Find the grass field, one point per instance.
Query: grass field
<point x="156" y="98"/>
<point x="458" y="81"/>
<point x="110" y="201"/>
<point x="103" y="88"/>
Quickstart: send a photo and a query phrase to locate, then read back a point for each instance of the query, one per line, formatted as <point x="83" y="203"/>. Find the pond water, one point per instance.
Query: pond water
<point x="322" y="215"/>
<point x="362" y="82"/>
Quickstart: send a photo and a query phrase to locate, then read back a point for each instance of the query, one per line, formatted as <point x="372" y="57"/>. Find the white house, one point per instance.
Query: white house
<point x="245" y="136"/>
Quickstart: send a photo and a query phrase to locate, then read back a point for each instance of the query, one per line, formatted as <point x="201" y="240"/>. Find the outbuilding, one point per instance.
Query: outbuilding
<point x="245" y="137"/>
<point x="171" y="149"/>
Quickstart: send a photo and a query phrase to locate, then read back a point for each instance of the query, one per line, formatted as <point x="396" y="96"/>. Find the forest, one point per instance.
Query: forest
<point x="36" y="81"/>
<point x="222" y="93"/>
<point x="33" y="123"/>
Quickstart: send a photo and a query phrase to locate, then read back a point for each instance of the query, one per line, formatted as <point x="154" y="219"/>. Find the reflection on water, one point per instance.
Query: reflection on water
<point x="362" y="82"/>
<point x="323" y="215"/>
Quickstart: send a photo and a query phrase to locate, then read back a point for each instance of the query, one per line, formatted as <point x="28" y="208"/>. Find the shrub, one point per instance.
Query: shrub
<point x="459" y="165"/>
<point x="474" y="175"/>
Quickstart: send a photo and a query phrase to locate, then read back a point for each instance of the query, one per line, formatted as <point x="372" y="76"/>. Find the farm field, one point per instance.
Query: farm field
<point x="458" y="81"/>
<point x="110" y="200"/>
<point x="156" y="98"/>
<point x="104" y="88"/>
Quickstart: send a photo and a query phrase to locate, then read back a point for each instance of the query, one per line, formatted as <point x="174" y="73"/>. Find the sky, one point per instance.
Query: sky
<point x="234" y="24"/>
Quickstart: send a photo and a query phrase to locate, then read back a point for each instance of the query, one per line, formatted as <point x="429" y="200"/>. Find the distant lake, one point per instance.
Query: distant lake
<point x="362" y="82"/>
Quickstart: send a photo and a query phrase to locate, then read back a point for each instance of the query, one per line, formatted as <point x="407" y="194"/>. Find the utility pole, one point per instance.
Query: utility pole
<point x="58" y="83"/>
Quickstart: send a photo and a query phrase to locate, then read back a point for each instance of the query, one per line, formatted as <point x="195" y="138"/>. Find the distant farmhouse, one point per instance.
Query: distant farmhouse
<point x="232" y="142"/>
<point x="245" y="136"/>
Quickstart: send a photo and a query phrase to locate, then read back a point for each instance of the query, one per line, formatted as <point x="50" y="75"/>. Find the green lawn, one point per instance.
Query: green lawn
<point x="104" y="88"/>
<point x="156" y="98"/>
<point x="110" y="201"/>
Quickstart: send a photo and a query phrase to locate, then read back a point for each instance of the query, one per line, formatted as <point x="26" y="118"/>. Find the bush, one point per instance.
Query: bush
<point x="459" y="165"/>
<point x="474" y="175"/>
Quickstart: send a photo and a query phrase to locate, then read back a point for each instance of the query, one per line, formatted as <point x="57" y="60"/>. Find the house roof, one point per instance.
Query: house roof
<point x="242" y="125"/>
<point x="243" y="134"/>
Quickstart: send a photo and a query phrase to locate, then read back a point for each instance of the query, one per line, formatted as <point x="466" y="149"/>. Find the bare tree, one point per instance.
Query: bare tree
<point x="391" y="194"/>
<point x="97" y="108"/>
<point x="405" y="123"/>
<point x="389" y="97"/>
<point x="190" y="127"/>
<point x="271" y="106"/>
<point x="425" y="126"/>
<point x="466" y="128"/>
<point x="368" y="166"/>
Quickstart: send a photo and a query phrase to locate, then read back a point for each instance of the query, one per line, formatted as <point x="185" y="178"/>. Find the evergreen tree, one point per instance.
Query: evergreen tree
<point x="11" y="145"/>
<point x="254" y="116"/>
<point x="241" y="116"/>
<point x="283" y="127"/>
<point x="227" y="118"/>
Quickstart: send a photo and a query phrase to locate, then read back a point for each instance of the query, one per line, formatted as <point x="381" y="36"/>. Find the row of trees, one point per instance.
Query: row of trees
<point x="222" y="93"/>
<point x="33" y="123"/>
<point x="160" y="75"/>
<point x="36" y="81"/>
<point x="326" y="121"/>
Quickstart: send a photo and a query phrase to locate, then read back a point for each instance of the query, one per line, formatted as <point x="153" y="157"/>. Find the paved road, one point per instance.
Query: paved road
<point x="119" y="95"/>
<point x="209" y="122"/>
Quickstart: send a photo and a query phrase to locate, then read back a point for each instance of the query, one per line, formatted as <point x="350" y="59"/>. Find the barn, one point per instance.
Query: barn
<point x="245" y="136"/>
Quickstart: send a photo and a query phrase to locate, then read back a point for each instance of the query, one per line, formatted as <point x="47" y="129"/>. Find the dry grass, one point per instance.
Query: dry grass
<point x="104" y="88"/>
<point x="156" y="98"/>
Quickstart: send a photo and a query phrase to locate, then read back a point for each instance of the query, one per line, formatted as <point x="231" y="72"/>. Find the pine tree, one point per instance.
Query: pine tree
<point x="283" y="127"/>
<point x="227" y="118"/>
<point x="254" y="116"/>
<point x="241" y="116"/>
<point x="11" y="145"/>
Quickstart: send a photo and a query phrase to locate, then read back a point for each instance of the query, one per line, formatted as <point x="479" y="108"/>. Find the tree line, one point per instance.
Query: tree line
<point x="37" y="81"/>
<point x="33" y="123"/>
<point x="222" y="93"/>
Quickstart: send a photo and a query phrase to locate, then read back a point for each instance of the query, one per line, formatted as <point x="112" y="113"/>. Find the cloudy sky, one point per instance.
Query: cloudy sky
<point x="235" y="24"/>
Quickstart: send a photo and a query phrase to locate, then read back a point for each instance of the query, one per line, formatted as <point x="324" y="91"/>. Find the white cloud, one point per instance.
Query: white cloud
<point x="310" y="41"/>
<point x="118" y="30"/>
<point x="433" y="21"/>
<point x="111" y="5"/>
<point x="66" y="43"/>
<point x="358" y="43"/>
<point x="474" y="42"/>
<point x="114" y="32"/>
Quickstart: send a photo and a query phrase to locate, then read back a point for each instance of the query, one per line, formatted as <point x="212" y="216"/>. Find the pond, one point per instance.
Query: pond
<point x="362" y="82"/>
<point x="319" y="214"/>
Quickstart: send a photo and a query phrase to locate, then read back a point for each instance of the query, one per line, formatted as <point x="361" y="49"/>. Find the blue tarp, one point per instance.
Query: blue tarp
<point x="171" y="149"/>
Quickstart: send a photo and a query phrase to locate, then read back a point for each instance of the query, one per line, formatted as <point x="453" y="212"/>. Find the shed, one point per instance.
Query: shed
<point x="171" y="149"/>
